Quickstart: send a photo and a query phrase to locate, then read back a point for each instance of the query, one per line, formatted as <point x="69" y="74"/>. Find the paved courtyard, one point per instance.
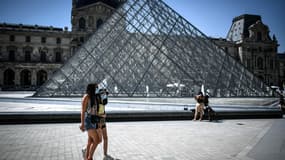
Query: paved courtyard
<point x="159" y="140"/>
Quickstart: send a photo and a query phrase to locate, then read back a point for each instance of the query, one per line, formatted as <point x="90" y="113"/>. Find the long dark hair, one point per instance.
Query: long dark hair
<point x="90" y="90"/>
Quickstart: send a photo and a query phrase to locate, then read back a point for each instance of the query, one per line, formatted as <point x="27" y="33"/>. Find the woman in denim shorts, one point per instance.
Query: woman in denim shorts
<point x="89" y="120"/>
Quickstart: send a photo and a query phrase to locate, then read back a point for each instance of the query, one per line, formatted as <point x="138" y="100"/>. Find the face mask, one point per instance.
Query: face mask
<point x="97" y="91"/>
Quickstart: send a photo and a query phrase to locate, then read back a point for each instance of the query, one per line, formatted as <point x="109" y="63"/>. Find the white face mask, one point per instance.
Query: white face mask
<point x="97" y="90"/>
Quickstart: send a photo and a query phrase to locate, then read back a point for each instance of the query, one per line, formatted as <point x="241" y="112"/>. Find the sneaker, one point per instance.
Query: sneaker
<point x="84" y="153"/>
<point x="108" y="157"/>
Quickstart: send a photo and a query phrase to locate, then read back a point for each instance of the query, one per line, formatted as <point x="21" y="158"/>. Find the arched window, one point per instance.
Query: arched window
<point x="43" y="56"/>
<point x="28" y="51"/>
<point x="81" y="39"/>
<point x="99" y="23"/>
<point x="9" y="77"/>
<point x="44" y="40"/>
<point x="57" y="56"/>
<point x="12" y="55"/>
<point x="41" y="77"/>
<point x="58" y="40"/>
<point x="12" y="50"/>
<point x="12" y="38"/>
<point x="259" y="63"/>
<point x="82" y="23"/>
<point x="28" y="38"/>
<point x="25" y="78"/>
<point x="27" y="56"/>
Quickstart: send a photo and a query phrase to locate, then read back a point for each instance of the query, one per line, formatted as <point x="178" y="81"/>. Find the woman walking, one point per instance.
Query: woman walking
<point x="101" y="96"/>
<point x="89" y="120"/>
<point x="103" y="101"/>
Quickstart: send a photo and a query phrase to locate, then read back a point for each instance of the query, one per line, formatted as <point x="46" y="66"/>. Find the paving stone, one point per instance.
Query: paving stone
<point x="166" y="140"/>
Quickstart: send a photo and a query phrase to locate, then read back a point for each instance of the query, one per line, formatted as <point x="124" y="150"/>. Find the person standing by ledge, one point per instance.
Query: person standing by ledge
<point x="199" y="108"/>
<point x="282" y="103"/>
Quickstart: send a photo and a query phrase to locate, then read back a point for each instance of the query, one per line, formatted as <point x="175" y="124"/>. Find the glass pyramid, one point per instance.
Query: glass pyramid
<point x="147" y="49"/>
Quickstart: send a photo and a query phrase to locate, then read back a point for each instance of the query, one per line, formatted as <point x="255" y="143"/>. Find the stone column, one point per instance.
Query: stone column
<point x="34" y="77"/>
<point x="17" y="77"/>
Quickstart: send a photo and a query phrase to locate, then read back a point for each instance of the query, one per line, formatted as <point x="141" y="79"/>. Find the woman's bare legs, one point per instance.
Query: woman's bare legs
<point x="94" y="141"/>
<point x="105" y="140"/>
<point x="99" y="133"/>
<point x="201" y="108"/>
<point x="201" y="115"/>
<point x="196" y="111"/>
<point x="89" y="143"/>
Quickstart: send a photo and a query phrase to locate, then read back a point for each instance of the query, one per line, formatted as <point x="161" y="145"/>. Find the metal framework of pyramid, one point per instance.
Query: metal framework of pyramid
<point x="147" y="49"/>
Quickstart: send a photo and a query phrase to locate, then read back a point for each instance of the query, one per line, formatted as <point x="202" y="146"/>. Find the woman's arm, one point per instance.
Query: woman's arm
<point x="83" y="110"/>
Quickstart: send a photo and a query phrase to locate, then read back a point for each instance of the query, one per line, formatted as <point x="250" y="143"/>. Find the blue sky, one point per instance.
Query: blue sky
<point x="212" y="17"/>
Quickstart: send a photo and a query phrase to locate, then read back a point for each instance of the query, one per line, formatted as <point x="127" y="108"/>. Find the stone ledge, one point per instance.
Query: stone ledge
<point x="119" y="116"/>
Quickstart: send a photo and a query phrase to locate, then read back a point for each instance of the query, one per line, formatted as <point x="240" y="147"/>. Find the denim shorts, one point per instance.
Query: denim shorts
<point x="88" y="124"/>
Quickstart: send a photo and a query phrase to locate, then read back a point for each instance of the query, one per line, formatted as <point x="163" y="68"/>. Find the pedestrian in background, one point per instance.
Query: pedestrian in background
<point x="282" y="103"/>
<point x="199" y="108"/>
<point x="208" y="109"/>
